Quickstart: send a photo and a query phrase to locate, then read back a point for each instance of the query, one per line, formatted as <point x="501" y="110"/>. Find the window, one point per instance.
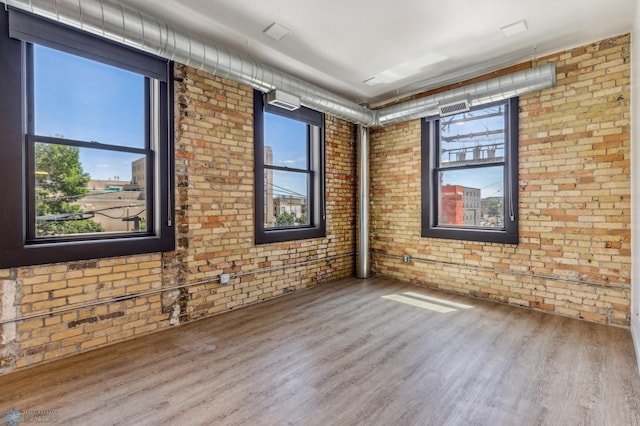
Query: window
<point x="289" y="161"/>
<point x="470" y="174"/>
<point x="85" y="129"/>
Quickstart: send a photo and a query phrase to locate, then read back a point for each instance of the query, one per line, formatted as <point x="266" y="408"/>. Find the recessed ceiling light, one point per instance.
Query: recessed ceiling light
<point x="276" y="31"/>
<point x="515" y="28"/>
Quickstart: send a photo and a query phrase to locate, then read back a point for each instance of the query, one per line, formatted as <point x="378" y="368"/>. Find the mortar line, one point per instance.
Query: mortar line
<point x="506" y="271"/>
<point x="165" y="289"/>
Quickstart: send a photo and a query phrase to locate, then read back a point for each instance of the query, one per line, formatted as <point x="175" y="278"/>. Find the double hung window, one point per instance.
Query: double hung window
<point x="289" y="159"/>
<point x="86" y="130"/>
<point x="470" y="174"/>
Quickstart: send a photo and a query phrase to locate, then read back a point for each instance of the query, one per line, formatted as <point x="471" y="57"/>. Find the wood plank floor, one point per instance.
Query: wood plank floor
<point x="344" y="354"/>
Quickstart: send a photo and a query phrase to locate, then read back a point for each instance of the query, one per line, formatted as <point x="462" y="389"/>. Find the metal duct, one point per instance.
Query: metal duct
<point x="131" y="27"/>
<point x="362" y="248"/>
<point x="496" y="89"/>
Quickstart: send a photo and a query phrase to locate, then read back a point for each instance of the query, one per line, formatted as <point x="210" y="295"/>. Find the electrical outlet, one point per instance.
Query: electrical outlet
<point x="225" y="278"/>
<point x="406" y="259"/>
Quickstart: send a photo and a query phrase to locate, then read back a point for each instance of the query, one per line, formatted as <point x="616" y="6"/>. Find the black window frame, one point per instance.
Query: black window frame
<point x="18" y="247"/>
<point x="316" y="170"/>
<point x="430" y="195"/>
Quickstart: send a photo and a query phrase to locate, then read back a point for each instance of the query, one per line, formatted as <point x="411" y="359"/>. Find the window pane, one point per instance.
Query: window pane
<point x="285" y="199"/>
<point x="472" y="197"/>
<point x="71" y="198"/>
<point x="285" y="142"/>
<point x="474" y="137"/>
<point x="76" y="98"/>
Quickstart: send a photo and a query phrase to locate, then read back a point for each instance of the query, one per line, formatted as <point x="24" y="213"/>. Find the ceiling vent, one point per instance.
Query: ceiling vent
<point x="276" y="31"/>
<point x="283" y="100"/>
<point x="451" y="108"/>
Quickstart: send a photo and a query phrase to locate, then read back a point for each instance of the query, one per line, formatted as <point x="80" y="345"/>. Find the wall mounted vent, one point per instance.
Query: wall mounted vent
<point x="454" y="107"/>
<point x="283" y="100"/>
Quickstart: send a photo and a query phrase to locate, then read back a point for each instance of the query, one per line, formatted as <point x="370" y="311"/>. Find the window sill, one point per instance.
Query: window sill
<point x="479" y="235"/>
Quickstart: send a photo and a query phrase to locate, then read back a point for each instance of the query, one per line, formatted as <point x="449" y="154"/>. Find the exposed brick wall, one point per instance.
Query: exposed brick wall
<point x="214" y="215"/>
<point x="48" y="288"/>
<point x="573" y="257"/>
<point x="215" y="182"/>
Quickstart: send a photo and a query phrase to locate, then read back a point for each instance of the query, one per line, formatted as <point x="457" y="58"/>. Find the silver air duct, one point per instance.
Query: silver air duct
<point x="131" y="27"/>
<point x="496" y="89"/>
<point x="362" y="248"/>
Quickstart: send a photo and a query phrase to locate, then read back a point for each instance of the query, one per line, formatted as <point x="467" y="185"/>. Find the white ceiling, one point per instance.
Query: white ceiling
<point x="338" y="44"/>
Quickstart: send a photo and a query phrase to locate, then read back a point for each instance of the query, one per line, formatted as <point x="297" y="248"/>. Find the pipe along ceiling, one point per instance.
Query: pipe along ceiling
<point x="131" y="27"/>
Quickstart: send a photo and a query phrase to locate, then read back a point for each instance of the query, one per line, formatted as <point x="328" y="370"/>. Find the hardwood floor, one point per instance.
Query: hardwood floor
<point x="344" y="354"/>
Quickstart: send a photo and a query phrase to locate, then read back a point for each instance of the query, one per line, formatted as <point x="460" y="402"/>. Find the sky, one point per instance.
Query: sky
<point x="99" y="103"/>
<point x="288" y="141"/>
<point x="106" y="104"/>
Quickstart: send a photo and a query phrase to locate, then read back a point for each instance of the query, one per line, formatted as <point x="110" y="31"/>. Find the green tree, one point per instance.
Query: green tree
<point x="302" y="219"/>
<point x="60" y="180"/>
<point x="494" y="207"/>
<point x="45" y="228"/>
<point x="285" y="219"/>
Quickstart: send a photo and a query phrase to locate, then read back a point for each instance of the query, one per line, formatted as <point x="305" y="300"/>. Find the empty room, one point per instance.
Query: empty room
<point x="281" y="212"/>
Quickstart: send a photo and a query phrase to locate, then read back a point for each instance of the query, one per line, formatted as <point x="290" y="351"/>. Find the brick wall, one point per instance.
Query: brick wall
<point x="573" y="257"/>
<point x="214" y="212"/>
<point x="215" y="180"/>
